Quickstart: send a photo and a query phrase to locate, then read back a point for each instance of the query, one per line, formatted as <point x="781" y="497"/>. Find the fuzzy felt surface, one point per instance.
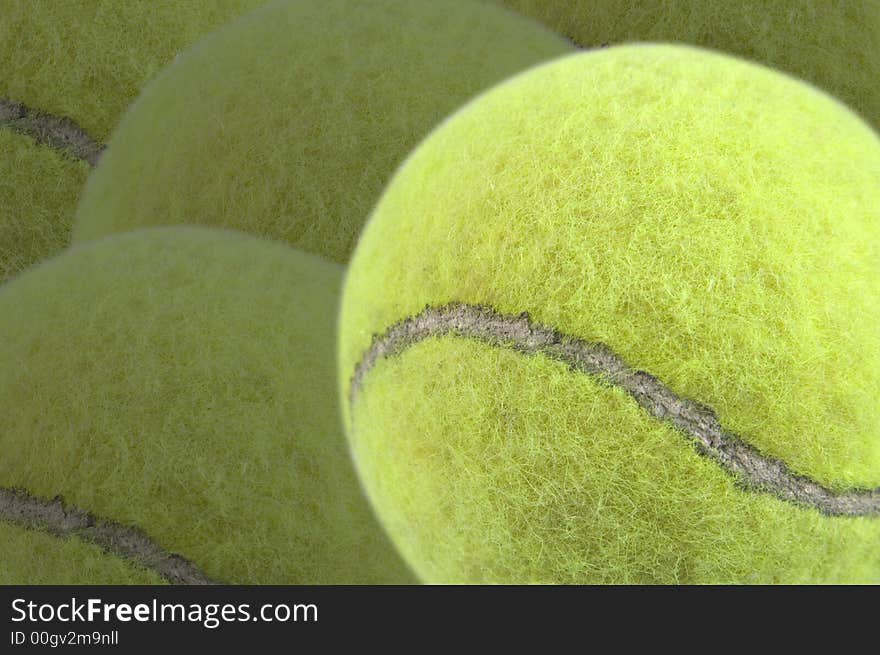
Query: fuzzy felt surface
<point x="85" y="61"/>
<point x="288" y="122"/>
<point x="712" y="222"/>
<point x="180" y="380"/>
<point x="39" y="189"/>
<point x="88" y="59"/>
<point x="31" y="557"/>
<point x="529" y="473"/>
<point x="834" y="44"/>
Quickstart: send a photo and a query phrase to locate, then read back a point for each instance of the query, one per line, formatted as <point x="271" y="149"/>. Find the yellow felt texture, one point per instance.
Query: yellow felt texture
<point x="540" y="475"/>
<point x="289" y="121"/>
<point x="88" y="59"/>
<point x="713" y="222"/>
<point x="834" y="44"/>
<point x="181" y="380"/>
<point x="31" y="557"/>
<point x="38" y="192"/>
<point x="84" y="60"/>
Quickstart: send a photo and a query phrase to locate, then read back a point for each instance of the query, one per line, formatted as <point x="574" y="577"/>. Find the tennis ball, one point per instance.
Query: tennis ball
<point x="38" y="191"/>
<point x="167" y="401"/>
<point x="34" y="557"/>
<point x="69" y="71"/>
<point x="615" y="321"/>
<point x="288" y="122"/>
<point x="833" y="44"/>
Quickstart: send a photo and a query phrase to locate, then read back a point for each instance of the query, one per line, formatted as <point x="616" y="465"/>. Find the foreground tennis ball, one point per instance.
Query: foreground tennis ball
<point x="616" y="321"/>
<point x="167" y="412"/>
<point x="69" y="70"/>
<point x="835" y="44"/>
<point x="288" y="122"/>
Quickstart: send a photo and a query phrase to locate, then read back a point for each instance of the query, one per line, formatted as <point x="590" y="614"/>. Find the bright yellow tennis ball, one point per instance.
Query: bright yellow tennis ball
<point x="616" y="321"/>
<point x="834" y="44"/>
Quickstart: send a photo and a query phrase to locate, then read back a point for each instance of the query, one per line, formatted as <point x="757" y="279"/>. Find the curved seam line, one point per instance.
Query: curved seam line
<point x="753" y="470"/>
<point x="131" y="544"/>
<point x="57" y="132"/>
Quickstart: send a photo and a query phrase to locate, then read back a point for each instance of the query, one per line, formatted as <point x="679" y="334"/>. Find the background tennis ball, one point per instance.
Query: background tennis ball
<point x="655" y="208"/>
<point x="67" y="71"/>
<point x="179" y="381"/>
<point x="833" y="44"/>
<point x="38" y="191"/>
<point x="288" y="122"/>
<point x="35" y="557"/>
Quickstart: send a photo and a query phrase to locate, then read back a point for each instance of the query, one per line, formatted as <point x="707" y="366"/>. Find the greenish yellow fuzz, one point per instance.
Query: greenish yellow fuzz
<point x="180" y="380"/>
<point x="88" y="59"/>
<point x="39" y="189"/>
<point x="31" y="557"/>
<point x="549" y="477"/>
<point x="84" y="60"/>
<point x="833" y="44"/>
<point x="289" y="121"/>
<point x="713" y="223"/>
